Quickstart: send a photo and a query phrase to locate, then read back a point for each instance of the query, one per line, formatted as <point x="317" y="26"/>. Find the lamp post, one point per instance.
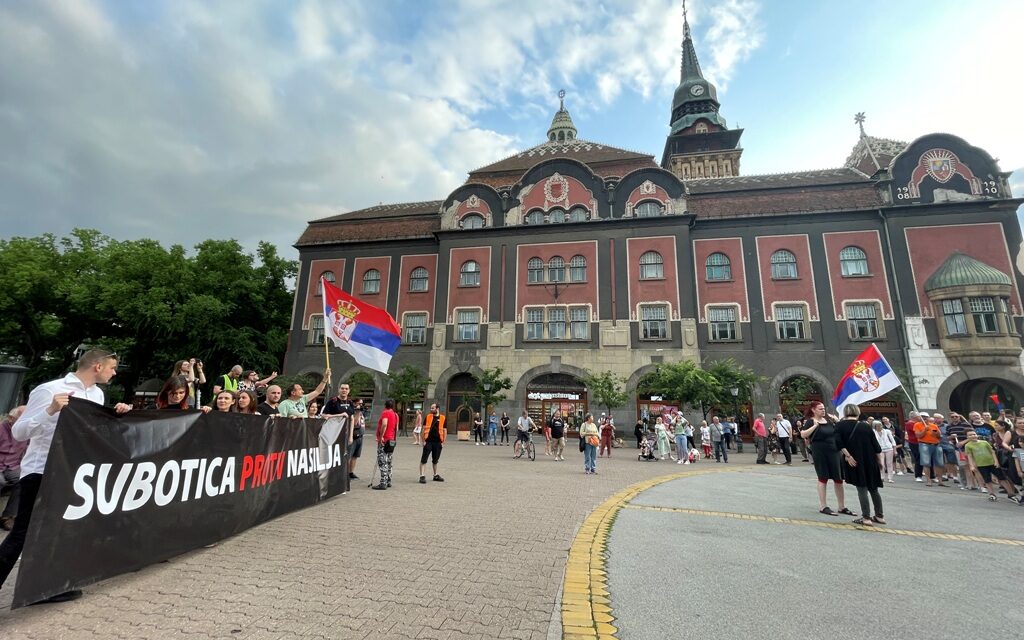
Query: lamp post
<point x="487" y="397"/>
<point x="735" y="391"/>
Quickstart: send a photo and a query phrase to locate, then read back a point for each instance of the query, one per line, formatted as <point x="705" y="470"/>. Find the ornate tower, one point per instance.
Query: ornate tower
<point x="562" y="129"/>
<point x="700" y="144"/>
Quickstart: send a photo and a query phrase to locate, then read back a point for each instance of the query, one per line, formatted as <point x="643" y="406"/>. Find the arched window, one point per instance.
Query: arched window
<point x="783" y="265"/>
<point x="371" y="281"/>
<point x="419" y="279"/>
<point x="648" y="209"/>
<point x="561" y="136"/>
<point x="578" y="214"/>
<point x="556" y="269"/>
<point x="702" y="128"/>
<point x="652" y="267"/>
<point x="326" y="275"/>
<point x="718" y="267"/>
<point x="854" y="261"/>
<point x="469" y="275"/>
<point x="578" y="269"/>
<point x="535" y="217"/>
<point x="535" y="270"/>
<point x="556" y="216"/>
<point x="472" y="221"/>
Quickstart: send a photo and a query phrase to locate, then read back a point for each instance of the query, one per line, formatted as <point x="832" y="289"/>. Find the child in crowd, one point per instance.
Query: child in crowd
<point x="705" y="439"/>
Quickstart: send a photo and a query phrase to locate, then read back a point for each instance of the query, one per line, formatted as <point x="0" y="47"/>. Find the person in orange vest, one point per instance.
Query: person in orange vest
<point x="433" y="441"/>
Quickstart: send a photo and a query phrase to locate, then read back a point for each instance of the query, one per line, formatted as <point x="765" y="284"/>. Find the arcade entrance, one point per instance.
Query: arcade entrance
<point x="552" y="392"/>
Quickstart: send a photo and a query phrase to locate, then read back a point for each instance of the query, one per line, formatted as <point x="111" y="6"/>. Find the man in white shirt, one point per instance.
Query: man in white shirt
<point x="37" y="424"/>
<point x="785" y="429"/>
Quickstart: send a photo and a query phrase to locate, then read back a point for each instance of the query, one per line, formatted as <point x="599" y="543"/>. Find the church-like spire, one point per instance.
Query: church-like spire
<point x="689" y="67"/>
<point x="562" y="129"/>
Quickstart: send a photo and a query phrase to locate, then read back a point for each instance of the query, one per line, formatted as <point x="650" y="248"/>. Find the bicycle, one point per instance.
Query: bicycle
<point x="527" y="447"/>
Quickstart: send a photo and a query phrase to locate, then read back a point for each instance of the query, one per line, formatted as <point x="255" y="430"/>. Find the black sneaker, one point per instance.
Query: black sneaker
<point x="352" y="476"/>
<point x="438" y="479"/>
<point x="423" y="480"/>
<point x="380" y="487"/>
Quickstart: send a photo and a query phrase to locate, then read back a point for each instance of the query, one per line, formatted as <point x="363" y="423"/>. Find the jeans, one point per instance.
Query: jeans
<point x="915" y="454"/>
<point x="931" y="455"/>
<point x="492" y="434"/>
<point x="9" y="478"/>
<point x="589" y="457"/>
<point x="720" y="450"/>
<point x="802" y="445"/>
<point x="682" y="451"/>
<point x="727" y="436"/>
<point x="12" y="545"/>
<point x="784" y="445"/>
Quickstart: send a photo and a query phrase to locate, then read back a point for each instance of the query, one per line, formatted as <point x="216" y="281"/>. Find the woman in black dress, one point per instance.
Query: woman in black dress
<point x="821" y="432"/>
<point x="860" y="450"/>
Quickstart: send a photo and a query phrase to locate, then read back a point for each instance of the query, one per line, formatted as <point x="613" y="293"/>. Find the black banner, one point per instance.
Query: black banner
<point x="122" y="492"/>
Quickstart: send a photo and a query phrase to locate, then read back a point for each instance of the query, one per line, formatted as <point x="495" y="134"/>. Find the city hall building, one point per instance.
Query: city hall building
<point x="575" y="256"/>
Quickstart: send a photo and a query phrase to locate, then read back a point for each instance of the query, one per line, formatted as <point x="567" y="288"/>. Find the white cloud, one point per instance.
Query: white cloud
<point x="734" y="33"/>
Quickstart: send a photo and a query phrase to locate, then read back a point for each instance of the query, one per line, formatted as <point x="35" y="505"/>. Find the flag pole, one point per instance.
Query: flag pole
<point x="327" y="349"/>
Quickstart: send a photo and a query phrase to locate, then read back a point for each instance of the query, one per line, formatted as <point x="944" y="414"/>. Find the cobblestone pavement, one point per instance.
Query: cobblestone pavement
<point x="481" y="555"/>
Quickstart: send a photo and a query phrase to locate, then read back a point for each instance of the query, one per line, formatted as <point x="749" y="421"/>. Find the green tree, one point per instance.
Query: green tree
<point x="733" y="375"/>
<point x="685" y="383"/>
<point x="490" y="384"/>
<point x="605" y="389"/>
<point x="361" y="385"/>
<point x="795" y="392"/>
<point x="405" y="386"/>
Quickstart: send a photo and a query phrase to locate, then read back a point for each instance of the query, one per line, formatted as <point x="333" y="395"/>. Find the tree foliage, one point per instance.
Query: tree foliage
<point x="606" y="389"/>
<point x="797" y="391"/>
<point x="361" y="385"/>
<point x="490" y="384"/>
<point x="153" y="305"/>
<point x="686" y="384"/>
<point x="733" y="375"/>
<point x="407" y="385"/>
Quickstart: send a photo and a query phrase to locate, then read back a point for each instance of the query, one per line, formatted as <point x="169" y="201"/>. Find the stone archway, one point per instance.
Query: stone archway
<point x="551" y="367"/>
<point x="789" y="373"/>
<point x="440" y="386"/>
<point x="967" y="387"/>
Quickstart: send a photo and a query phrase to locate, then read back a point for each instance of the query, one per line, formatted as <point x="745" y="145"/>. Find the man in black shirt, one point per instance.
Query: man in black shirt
<point x="269" y="406"/>
<point x="342" y="405"/>
<point x="557" y="425"/>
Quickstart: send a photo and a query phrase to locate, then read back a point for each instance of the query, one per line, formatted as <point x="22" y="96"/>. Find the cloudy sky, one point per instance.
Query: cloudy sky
<point x="184" y="120"/>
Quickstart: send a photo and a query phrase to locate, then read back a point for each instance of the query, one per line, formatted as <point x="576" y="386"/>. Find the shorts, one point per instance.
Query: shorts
<point x="949" y="455"/>
<point x="432" y="450"/>
<point x="356" y="448"/>
<point x="989" y="471"/>
<point x="930" y="455"/>
<point x="826" y="465"/>
<point x="523" y="436"/>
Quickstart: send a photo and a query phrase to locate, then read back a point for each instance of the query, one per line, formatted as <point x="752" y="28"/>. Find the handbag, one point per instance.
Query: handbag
<point x="389" y="446"/>
<point x="593" y="440"/>
<point x="583" y="444"/>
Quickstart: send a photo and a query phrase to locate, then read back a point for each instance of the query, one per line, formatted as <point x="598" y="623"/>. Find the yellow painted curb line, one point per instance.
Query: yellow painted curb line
<point x="832" y="525"/>
<point x="586" y="603"/>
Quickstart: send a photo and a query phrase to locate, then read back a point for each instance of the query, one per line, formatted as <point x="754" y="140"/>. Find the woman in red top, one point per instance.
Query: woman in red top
<point x="387" y="432"/>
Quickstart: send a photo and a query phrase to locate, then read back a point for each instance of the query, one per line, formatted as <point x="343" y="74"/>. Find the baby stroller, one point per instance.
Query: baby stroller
<point x="646" y="449"/>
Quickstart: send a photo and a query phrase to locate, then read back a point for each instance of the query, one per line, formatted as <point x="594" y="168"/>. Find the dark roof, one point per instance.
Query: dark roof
<point x="396" y="209"/>
<point x="342" y="231"/>
<point x="809" y="199"/>
<point x="580" y="150"/>
<point x="960" y="270"/>
<point x="842" y="175"/>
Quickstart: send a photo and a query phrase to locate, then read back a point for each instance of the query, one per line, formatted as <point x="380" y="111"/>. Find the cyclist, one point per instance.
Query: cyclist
<point x="524" y="427"/>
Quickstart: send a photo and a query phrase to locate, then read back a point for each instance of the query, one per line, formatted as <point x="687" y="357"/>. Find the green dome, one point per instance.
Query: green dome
<point x="961" y="270"/>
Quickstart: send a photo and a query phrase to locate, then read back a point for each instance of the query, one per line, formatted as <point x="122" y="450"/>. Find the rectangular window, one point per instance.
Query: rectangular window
<point x="789" y="320"/>
<point x="534" y="324"/>
<point x="580" y="319"/>
<point x="862" y="321"/>
<point x="316" y="329"/>
<point x="1004" y="310"/>
<point x="468" y="326"/>
<point x="654" y="322"/>
<point x="953" y="314"/>
<point x="984" y="312"/>
<point x="783" y="271"/>
<point x="556" y="323"/>
<point x="415" y="329"/>
<point x="722" y="323"/>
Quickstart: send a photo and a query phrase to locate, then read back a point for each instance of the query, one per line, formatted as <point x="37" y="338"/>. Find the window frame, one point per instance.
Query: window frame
<point x="535" y="270"/>
<point x="320" y="284"/>
<point x="643" y="206"/>
<point x="572" y="215"/>
<point x="780" y="259"/>
<point x="645" y="334"/>
<point x="733" y="325"/>
<point x="562" y="214"/>
<point x="725" y="267"/>
<point x="854" y="324"/>
<point x="573" y="320"/>
<point x="645" y="266"/>
<point x="465" y="281"/>
<point x="316" y="334"/>
<point x="531" y="214"/>
<point x="988" y="316"/>
<point x="473" y="215"/>
<point x="406" y="328"/>
<point x="954" y="316"/>
<point x="784" y="323"/>
<point x="459" y="324"/>
<point x="414" y="276"/>
<point x="578" y="264"/>
<point x="556" y="265"/>
<point x="368" y="280"/>
<point x="861" y="260"/>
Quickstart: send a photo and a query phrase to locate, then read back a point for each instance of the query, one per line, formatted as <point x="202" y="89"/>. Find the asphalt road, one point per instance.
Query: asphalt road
<point x="685" y="575"/>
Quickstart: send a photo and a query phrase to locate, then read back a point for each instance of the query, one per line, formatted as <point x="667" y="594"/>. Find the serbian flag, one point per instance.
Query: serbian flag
<point x="368" y="333"/>
<point x="869" y="377"/>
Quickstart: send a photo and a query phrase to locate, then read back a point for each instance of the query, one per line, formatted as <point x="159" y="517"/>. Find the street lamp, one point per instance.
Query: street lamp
<point x="735" y="391"/>
<point x="487" y="396"/>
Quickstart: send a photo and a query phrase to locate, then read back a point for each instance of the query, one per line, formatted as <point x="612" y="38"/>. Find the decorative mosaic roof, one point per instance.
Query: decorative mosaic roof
<point x="584" y="151"/>
<point x="883" y="149"/>
<point x="962" y="270"/>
